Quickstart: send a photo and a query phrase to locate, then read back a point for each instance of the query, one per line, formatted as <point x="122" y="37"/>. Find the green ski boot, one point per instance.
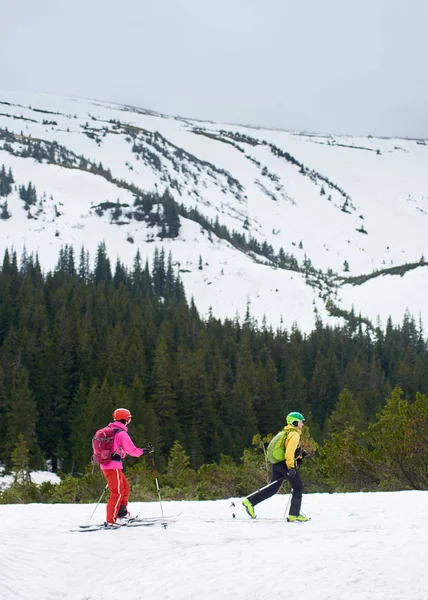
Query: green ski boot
<point x="249" y="508"/>
<point x="299" y="519"/>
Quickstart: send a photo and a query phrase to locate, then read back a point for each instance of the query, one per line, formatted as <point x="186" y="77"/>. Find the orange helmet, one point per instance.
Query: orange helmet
<point x="122" y="413"/>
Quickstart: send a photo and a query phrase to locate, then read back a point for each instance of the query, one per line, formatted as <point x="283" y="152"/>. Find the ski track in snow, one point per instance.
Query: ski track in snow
<point x="357" y="546"/>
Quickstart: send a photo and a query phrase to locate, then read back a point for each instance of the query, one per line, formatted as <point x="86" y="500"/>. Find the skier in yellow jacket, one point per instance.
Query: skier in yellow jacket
<point x="285" y="469"/>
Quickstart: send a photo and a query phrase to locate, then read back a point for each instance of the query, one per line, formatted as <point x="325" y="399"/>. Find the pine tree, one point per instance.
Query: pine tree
<point x="178" y="474"/>
<point x="120" y="276"/>
<point x="220" y="383"/>
<point x="203" y="442"/>
<point x="144" y="418"/>
<point x="96" y="413"/>
<point x="171" y="215"/>
<point x="163" y="395"/>
<point x="3" y="429"/>
<point x="137" y="274"/>
<point x="295" y="391"/>
<point x="244" y="424"/>
<point x="6" y="181"/>
<point x="28" y="195"/>
<point x="102" y="265"/>
<point x="346" y="412"/>
<point x="170" y="281"/>
<point x="400" y="439"/>
<point x="325" y="386"/>
<point x="158" y="272"/>
<point x="21" y="415"/>
<point x="20" y="459"/>
<point x="268" y="403"/>
<point x="83" y="270"/>
<point x="78" y="442"/>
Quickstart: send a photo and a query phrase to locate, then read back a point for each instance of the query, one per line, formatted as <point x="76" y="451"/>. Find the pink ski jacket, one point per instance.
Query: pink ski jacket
<point x="122" y="445"/>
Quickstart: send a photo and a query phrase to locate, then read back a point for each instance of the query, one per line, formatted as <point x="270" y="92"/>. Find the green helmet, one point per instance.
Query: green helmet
<point x="294" y="416"/>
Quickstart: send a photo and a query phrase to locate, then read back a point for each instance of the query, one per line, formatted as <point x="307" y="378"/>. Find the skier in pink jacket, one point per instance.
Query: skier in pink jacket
<point x="117" y="506"/>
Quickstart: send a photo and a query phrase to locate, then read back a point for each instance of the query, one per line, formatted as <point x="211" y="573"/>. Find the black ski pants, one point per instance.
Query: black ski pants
<point x="279" y="474"/>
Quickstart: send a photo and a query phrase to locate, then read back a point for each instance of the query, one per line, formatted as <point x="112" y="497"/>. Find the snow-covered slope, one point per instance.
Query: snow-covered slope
<point x="347" y="206"/>
<point x="36" y="477"/>
<point x="369" y="546"/>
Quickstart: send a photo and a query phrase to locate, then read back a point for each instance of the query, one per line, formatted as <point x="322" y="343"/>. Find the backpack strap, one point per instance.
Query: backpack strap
<point x="116" y="457"/>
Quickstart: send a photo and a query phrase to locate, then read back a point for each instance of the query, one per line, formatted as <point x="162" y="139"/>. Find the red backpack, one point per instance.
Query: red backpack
<point x="102" y="444"/>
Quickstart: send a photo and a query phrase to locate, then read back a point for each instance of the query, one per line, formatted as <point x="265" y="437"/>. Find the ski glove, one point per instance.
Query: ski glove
<point x="292" y="473"/>
<point x="303" y="454"/>
<point x="149" y="449"/>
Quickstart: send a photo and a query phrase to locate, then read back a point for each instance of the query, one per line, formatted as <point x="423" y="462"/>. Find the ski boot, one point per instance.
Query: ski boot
<point x="249" y="508"/>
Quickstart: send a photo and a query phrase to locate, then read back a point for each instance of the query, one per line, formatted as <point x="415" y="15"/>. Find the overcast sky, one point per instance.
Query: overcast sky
<point x="339" y="66"/>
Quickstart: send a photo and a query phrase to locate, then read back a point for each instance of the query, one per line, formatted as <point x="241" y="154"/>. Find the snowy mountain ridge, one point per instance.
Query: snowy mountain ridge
<point x="295" y="225"/>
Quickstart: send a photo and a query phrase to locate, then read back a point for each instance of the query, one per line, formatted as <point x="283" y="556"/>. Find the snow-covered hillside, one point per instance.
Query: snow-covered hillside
<point x="36" y="477"/>
<point x="335" y="207"/>
<point x="369" y="546"/>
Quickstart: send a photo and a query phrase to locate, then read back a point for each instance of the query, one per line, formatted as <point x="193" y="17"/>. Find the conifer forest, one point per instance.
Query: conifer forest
<point x="77" y="343"/>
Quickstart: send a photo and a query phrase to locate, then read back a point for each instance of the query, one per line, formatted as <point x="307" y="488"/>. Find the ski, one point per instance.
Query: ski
<point x="133" y="522"/>
<point x="102" y="527"/>
<point x="249" y="519"/>
<point x="135" y="519"/>
<point x="166" y="518"/>
<point x="244" y="520"/>
<point x="235" y="518"/>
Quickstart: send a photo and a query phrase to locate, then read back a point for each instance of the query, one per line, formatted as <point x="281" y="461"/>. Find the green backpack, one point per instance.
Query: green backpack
<point x="276" y="448"/>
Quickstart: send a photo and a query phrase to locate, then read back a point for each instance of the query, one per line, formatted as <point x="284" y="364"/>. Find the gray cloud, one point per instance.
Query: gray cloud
<point x="339" y="66"/>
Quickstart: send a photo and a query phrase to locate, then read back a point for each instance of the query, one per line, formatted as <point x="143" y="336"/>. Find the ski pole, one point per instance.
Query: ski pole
<point x="164" y="523"/>
<point x="96" y="506"/>
<point x="266" y="461"/>
<point x="288" y="503"/>
<point x="267" y="486"/>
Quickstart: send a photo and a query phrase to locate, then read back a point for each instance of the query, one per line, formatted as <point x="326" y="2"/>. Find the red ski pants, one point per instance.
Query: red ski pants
<point x="119" y="492"/>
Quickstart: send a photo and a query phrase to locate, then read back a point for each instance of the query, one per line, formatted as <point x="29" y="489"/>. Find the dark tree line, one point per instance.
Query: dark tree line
<point x="239" y="240"/>
<point x="77" y="342"/>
